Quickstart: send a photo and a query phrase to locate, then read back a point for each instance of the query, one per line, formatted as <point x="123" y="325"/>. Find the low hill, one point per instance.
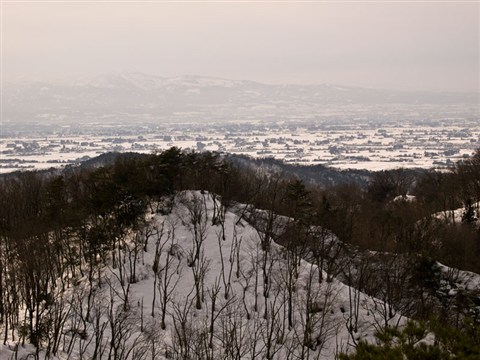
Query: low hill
<point x="189" y="285"/>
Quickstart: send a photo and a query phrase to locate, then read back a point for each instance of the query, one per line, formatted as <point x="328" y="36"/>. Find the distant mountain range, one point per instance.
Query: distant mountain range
<point x="136" y="94"/>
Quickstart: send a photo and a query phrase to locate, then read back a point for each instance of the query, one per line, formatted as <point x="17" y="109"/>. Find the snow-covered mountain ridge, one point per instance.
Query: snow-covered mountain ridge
<point x="160" y="97"/>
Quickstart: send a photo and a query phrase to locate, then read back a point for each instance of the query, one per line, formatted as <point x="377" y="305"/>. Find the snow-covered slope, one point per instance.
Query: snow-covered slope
<point x="220" y="296"/>
<point x="455" y="216"/>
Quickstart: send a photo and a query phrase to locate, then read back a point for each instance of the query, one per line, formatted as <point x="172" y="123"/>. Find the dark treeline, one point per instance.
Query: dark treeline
<point x="318" y="175"/>
<point x="57" y="227"/>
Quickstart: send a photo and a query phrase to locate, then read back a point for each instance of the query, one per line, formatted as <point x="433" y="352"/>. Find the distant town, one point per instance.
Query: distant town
<point x="356" y="145"/>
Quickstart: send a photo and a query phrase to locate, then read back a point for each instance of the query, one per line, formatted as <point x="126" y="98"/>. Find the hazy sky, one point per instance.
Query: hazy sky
<point x="401" y="45"/>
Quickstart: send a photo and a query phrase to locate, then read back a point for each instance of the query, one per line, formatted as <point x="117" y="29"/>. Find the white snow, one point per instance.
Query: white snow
<point x="330" y="302"/>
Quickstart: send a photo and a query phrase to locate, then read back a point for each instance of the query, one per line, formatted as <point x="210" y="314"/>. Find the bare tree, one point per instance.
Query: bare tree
<point x="124" y="295"/>
<point x="199" y="270"/>
<point x="235" y="333"/>
<point x="388" y="286"/>
<point x="255" y="256"/>
<point x="270" y="324"/>
<point x="124" y="336"/>
<point x="288" y="279"/>
<point x="99" y="323"/>
<point x="326" y="252"/>
<point x="197" y="222"/>
<point x="316" y="310"/>
<point x="226" y="274"/>
<point x="357" y="275"/>
<point x="214" y="312"/>
<point x="182" y="341"/>
<point x="169" y="276"/>
<point x="56" y="321"/>
<point x="159" y="245"/>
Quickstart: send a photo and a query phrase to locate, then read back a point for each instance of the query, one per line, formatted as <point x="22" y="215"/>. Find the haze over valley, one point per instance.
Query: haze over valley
<point x="51" y="124"/>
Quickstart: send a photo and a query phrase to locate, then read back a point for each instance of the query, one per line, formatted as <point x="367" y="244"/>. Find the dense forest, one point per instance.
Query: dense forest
<point x="399" y="237"/>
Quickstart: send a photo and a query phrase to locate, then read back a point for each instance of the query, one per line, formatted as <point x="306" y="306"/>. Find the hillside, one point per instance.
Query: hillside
<point x="156" y="280"/>
<point x="187" y="255"/>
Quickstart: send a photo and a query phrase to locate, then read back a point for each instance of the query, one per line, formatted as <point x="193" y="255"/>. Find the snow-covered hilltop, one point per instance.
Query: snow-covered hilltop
<point x="196" y="284"/>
